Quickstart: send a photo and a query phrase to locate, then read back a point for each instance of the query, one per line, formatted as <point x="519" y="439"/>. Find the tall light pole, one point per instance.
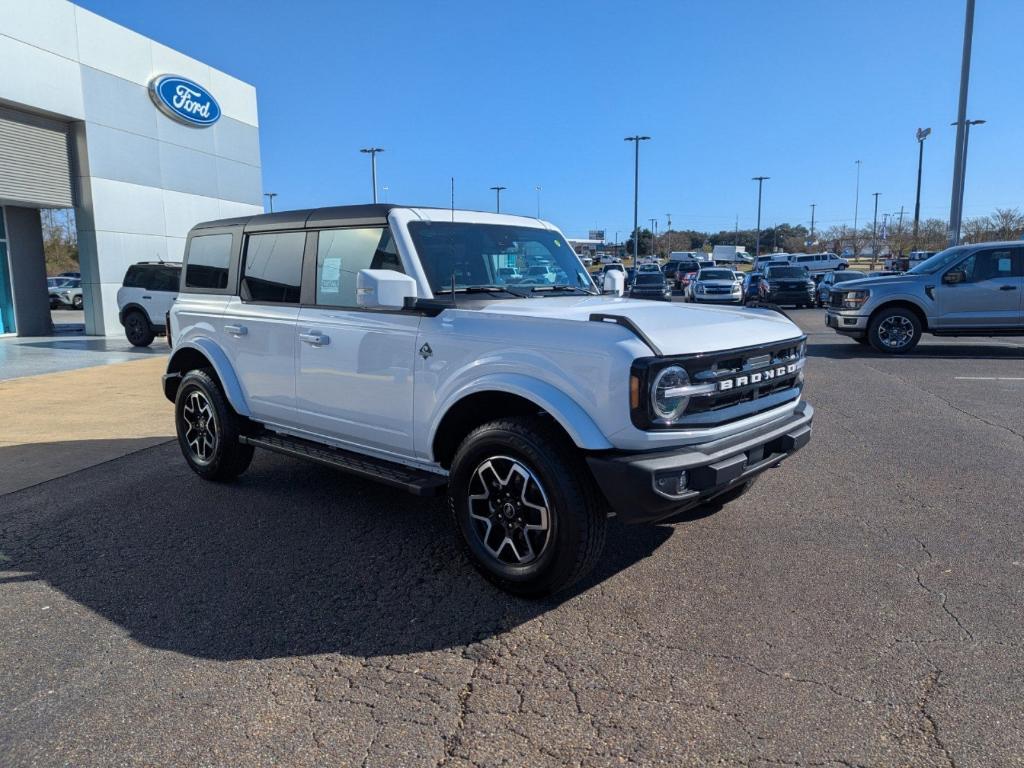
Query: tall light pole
<point x="874" y="230"/>
<point x="963" y="172"/>
<point x="270" y="199"/>
<point x="497" y="194"/>
<point x="760" y="182"/>
<point x="636" y="190"/>
<point x="668" y="222"/>
<point x="385" y="190"/>
<point x="813" y="206"/>
<point x="372" y="152"/>
<point x="922" y="134"/>
<point x="654" y="235"/>
<point x="955" y="212"/>
<point x="538" y="188"/>
<point x="856" y="208"/>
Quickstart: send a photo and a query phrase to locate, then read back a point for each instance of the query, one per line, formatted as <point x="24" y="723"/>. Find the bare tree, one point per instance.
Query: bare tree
<point x="1007" y="224"/>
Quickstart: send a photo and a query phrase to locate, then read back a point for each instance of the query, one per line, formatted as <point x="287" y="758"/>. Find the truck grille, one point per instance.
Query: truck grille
<point x="835" y="299"/>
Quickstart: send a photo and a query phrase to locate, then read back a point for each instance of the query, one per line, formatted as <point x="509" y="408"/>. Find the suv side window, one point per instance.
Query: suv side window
<point x="273" y="267"/>
<point x="991" y="265"/>
<point x="136" y="277"/>
<point x="164" y="279"/>
<point x="209" y="258"/>
<point x="341" y="253"/>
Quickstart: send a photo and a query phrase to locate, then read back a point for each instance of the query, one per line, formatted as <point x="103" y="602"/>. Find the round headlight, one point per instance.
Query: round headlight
<point x="667" y="400"/>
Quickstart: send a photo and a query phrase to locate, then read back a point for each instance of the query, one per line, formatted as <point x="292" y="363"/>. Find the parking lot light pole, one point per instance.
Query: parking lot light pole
<point x="874" y="230"/>
<point x="955" y="212"/>
<point x="372" y="152"/>
<point x="963" y="172"/>
<point x="760" y="183"/>
<point x="636" y="190"/>
<point x="497" y="194"/>
<point x="856" y="208"/>
<point x="654" y="234"/>
<point x="270" y="200"/>
<point x="813" y="206"/>
<point x="538" y="188"/>
<point x="922" y="134"/>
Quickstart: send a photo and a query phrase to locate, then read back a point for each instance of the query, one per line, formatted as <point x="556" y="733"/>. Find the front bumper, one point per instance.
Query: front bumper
<point x="718" y="298"/>
<point x="854" y="325"/>
<point x="791" y="297"/>
<point x="627" y="480"/>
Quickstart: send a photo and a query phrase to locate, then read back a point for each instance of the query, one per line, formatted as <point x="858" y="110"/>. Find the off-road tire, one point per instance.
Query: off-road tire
<point x="577" y="513"/>
<point x="227" y="458"/>
<point x="905" y="319"/>
<point x="137" y="329"/>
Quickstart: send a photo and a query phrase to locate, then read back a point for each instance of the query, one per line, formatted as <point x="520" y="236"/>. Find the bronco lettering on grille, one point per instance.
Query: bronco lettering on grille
<point x="759" y="377"/>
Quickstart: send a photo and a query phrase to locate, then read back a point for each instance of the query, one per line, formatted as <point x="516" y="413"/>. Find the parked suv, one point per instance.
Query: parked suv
<point x="145" y="298"/>
<point x="716" y="285"/>
<point x="381" y="340"/>
<point x="968" y="290"/>
<point x="785" y="284"/>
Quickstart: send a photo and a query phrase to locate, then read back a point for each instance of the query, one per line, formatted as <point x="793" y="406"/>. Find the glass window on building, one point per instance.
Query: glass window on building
<point x="6" y="294"/>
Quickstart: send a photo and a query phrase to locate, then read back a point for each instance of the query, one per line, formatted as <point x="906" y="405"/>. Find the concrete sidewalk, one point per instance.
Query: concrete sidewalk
<point x="55" y="424"/>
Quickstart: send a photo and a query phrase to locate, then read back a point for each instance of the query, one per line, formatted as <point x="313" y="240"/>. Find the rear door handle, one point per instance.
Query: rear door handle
<point x="1008" y="288"/>
<point x="236" y="330"/>
<point x="316" y="339"/>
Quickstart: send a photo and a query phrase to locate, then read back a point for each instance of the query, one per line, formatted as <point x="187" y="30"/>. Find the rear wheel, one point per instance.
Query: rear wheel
<point x="208" y="429"/>
<point x="895" y="331"/>
<point x="138" y="329"/>
<point x="529" y="514"/>
<point x="77" y="302"/>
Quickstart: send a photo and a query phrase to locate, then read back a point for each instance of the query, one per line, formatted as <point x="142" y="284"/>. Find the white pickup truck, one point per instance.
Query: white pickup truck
<point x="411" y="346"/>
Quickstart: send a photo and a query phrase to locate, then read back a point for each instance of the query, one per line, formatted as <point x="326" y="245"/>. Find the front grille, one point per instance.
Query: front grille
<point x="835" y="299"/>
<point x="753" y="379"/>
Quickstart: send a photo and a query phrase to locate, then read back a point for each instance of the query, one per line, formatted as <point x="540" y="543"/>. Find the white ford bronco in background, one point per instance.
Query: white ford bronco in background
<point x="413" y="346"/>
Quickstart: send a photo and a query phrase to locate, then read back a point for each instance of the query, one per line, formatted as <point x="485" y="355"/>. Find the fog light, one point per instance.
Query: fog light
<point x="671" y="483"/>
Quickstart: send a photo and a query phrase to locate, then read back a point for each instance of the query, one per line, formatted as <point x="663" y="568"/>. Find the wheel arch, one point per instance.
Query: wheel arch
<point x="918" y="311"/>
<point x="203" y="353"/>
<point x="133" y="307"/>
<point x="495" y="397"/>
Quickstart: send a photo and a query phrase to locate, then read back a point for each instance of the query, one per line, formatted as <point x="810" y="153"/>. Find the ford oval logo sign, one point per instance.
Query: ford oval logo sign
<point x="184" y="100"/>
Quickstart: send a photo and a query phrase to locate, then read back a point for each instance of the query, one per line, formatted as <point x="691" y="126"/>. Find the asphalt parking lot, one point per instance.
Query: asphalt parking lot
<point x="862" y="606"/>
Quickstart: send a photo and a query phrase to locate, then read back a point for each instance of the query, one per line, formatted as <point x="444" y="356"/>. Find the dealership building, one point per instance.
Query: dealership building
<point x="141" y="140"/>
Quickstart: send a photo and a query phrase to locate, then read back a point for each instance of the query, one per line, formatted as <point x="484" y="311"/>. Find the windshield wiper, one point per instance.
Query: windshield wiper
<point x="561" y="288"/>
<point x="482" y="289"/>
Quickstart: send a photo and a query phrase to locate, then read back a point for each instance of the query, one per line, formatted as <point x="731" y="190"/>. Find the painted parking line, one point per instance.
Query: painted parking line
<point x="989" y="378"/>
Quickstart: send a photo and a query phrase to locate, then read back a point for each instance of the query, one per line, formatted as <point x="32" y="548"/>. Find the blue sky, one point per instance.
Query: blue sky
<point x="542" y="93"/>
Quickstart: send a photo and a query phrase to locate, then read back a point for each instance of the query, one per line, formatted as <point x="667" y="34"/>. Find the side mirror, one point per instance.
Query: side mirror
<point x="614" y="282"/>
<point x="383" y="289"/>
<point x="954" y="276"/>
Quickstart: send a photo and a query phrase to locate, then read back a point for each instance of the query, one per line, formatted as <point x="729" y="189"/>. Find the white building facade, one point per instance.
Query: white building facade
<point x="83" y="124"/>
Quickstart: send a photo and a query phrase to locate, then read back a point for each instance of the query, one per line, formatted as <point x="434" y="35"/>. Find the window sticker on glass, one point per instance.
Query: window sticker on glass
<point x="330" y="275"/>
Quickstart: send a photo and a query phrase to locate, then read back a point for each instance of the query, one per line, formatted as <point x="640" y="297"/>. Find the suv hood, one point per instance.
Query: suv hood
<point x="677" y="329"/>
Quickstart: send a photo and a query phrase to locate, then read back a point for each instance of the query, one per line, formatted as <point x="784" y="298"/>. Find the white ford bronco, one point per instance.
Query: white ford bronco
<point x="416" y="347"/>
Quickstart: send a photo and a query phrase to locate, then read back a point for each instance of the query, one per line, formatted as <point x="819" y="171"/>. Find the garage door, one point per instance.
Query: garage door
<point x="35" y="168"/>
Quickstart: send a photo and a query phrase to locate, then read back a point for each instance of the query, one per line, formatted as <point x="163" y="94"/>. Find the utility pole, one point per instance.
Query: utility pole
<point x="963" y="172"/>
<point x="736" y="231"/>
<point x="270" y="200"/>
<point x="874" y="231"/>
<point x="372" y="152"/>
<point x="668" y="223"/>
<point x="760" y="182"/>
<point x="922" y="134"/>
<point x="636" y="190"/>
<point x="813" y="206"/>
<point x="955" y="212"/>
<point x="497" y="194"/>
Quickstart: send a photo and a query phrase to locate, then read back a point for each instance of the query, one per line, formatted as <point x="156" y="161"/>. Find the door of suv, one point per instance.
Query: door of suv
<point x="354" y="377"/>
<point x="258" y="330"/>
<point x="983" y="290"/>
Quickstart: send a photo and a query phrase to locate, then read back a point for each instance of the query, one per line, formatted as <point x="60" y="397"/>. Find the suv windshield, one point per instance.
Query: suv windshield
<point x="716" y="274"/>
<point x="939" y="261"/>
<point x="498" y="255"/>
<point x="650" y="278"/>
<point x="786" y="272"/>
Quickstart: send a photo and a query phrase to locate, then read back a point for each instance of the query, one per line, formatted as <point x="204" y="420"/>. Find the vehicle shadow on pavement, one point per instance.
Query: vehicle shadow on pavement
<point x="930" y="351"/>
<point x="291" y="559"/>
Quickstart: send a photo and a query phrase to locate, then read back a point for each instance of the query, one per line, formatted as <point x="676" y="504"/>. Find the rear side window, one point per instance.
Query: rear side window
<point x="164" y="279"/>
<point x="341" y="253"/>
<point x="273" y="267"/>
<point x="209" y="258"/>
<point x="136" y="276"/>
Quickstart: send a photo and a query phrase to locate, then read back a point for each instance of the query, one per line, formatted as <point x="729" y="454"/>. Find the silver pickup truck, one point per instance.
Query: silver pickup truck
<point x="968" y="290"/>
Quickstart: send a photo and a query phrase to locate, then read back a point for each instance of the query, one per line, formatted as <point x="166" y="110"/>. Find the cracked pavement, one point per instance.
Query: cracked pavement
<point x="861" y="606"/>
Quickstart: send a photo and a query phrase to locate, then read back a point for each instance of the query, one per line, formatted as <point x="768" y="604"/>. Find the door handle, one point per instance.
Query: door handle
<point x="1008" y="288"/>
<point x="236" y="330"/>
<point x="316" y="339"/>
<point x="147" y="297"/>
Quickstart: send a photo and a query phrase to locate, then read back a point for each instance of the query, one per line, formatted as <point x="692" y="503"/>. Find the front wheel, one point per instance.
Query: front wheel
<point x="208" y="429"/>
<point x="529" y="514"/>
<point x="895" y="331"/>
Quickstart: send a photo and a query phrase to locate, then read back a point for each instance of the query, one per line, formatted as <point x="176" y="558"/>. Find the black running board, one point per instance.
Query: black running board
<point x="416" y="481"/>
